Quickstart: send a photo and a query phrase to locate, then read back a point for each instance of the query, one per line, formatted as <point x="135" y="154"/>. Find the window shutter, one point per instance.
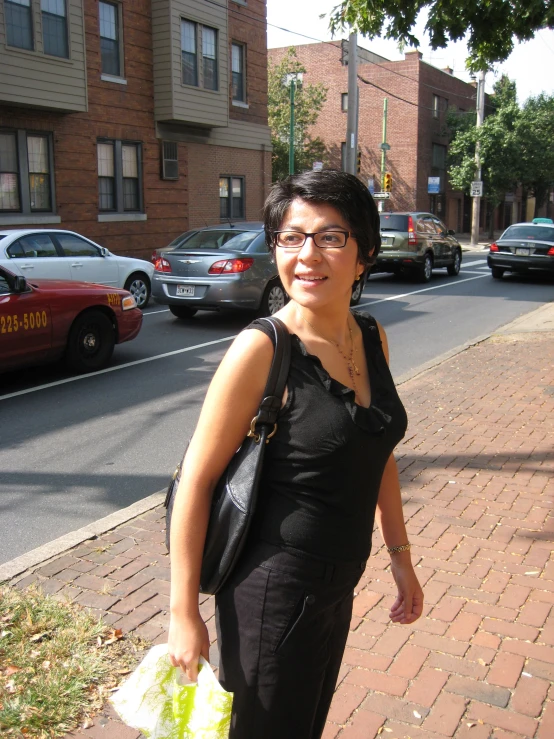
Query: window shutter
<point x="170" y="161"/>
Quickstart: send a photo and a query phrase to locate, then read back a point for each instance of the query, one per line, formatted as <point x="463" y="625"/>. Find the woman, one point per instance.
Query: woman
<point x="283" y="616"/>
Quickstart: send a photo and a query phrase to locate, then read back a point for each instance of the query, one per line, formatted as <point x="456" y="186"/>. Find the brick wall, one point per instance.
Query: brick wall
<point x="126" y="111"/>
<point x="409" y="86"/>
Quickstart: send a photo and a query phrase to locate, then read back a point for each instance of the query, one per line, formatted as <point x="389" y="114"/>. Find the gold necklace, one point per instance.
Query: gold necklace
<point x="350" y="363"/>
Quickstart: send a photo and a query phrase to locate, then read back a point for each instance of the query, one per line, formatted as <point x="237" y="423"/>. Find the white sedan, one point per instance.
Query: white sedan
<point x="65" y="255"/>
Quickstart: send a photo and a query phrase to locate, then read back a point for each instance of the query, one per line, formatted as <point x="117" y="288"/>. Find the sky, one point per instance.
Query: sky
<point x="531" y="63"/>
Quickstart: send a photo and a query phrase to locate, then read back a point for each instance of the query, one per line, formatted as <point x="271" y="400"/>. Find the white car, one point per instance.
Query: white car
<point x="65" y="255"/>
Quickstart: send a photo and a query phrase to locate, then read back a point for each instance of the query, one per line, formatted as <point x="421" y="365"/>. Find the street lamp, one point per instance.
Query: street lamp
<point x="291" y="81"/>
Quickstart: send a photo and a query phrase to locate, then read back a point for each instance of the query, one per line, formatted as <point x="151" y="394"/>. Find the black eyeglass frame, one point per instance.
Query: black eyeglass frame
<point x="274" y="234"/>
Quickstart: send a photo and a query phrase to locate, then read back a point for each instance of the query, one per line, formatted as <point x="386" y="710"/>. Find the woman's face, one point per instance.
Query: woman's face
<point x="314" y="277"/>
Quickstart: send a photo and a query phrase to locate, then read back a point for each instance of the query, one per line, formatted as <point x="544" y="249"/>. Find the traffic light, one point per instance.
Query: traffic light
<point x="387" y="182"/>
<point x="359" y="162"/>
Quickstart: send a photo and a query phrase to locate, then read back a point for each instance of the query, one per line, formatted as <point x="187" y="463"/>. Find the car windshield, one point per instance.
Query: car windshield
<point x="393" y="222"/>
<point x="529" y="233"/>
<point x="215" y="239"/>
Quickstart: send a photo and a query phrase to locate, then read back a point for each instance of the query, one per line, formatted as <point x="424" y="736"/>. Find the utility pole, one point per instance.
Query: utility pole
<point x="352" y="119"/>
<point x="291" y="130"/>
<point x="480" y="104"/>
<point x="384" y="146"/>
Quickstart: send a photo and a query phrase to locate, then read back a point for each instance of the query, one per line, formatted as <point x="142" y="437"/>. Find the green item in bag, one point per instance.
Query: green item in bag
<point x="154" y="701"/>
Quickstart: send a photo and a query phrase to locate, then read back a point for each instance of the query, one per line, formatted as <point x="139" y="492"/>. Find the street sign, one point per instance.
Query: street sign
<point x="433" y="185"/>
<point x="476" y="190"/>
<point x="381" y="195"/>
<point x="317" y="166"/>
<point x="384" y="146"/>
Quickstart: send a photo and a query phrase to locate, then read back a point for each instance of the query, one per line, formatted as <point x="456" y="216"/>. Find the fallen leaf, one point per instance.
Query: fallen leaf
<point x="11" y="670"/>
<point x="471" y="725"/>
<point x="527" y="674"/>
<point x="87" y="723"/>
<point x="480" y="721"/>
<point x="99" y="641"/>
<point x="38" y="637"/>
<point x="481" y="662"/>
<point x="46" y="664"/>
<point x="417" y="715"/>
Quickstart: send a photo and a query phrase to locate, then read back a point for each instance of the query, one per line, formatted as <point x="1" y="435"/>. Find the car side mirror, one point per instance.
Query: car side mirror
<point x="20" y="284"/>
<point x="451" y="232"/>
<point x="104" y="252"/>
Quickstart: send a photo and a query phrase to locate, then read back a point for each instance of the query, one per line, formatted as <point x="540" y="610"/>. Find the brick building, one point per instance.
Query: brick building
<point x="418" y="95"/>
<point x="132" y="121"/>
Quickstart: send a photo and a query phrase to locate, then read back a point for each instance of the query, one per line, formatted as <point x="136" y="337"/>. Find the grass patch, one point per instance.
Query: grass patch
<point x="58" y="664"/>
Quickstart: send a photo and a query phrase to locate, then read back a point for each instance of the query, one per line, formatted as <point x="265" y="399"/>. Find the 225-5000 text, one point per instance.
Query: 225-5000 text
<point x="24" y="322"/>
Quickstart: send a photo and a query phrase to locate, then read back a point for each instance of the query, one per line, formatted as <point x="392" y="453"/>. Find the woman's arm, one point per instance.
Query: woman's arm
<point x="389" y="515"/>
<point x="231" y="402"/>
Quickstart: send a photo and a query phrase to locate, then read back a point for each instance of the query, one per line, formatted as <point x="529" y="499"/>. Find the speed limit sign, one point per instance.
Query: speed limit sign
<point x="476" y="189"/>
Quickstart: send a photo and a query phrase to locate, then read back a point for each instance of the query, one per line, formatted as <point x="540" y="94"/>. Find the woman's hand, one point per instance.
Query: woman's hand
<point x="408" y="605"/>
<point x="188" y="639"/>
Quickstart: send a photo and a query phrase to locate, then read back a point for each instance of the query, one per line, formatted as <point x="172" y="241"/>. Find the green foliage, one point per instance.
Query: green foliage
<point x="500" y="146"/>
<point x="489" y="27"/>
<point x="516" y="146"/>
<point x="535" y="130"/>
<point x="309" y="99"/>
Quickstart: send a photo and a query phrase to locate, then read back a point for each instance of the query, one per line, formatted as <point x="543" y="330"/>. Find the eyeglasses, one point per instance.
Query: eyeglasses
<point x="322" y="239"/>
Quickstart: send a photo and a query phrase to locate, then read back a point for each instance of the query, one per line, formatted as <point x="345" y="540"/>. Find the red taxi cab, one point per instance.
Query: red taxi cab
<point x="44" y="320"/>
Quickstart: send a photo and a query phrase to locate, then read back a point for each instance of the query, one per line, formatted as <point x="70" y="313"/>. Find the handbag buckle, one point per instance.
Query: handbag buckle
<point x="254" y="435"/>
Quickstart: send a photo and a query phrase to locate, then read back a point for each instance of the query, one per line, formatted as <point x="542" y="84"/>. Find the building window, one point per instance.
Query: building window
<point x="109" y="39"/>
<point x="199" y="72"/>
<point x="439" y="156"/>
<point x="170" y="160"/>
<point x="54" y="28"/>
<point x="209" y="57"/>
<point x="436" y="106"/>
<point x="231" y="197"/>
<point x="238" y="88"/>
<point x="25" y="172"/>
<point x="119" y="176"/>
<point x="344" y="102"/>
<point x="19" y="23"/>
<point x="188" y="53"/>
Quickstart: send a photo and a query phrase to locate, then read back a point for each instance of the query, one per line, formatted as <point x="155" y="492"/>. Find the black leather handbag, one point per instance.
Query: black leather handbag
<point x="235" y="495"/>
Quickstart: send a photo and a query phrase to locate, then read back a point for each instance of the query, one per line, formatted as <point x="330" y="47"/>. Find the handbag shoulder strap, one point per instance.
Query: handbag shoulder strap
<point x="278" y="374"/>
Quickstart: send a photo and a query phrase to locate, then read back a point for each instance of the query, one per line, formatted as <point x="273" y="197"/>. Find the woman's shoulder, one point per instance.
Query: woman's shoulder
<point x="366" y="321"/>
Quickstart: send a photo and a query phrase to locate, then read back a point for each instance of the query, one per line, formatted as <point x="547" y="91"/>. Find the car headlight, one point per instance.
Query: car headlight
<point x="128" y="303"/>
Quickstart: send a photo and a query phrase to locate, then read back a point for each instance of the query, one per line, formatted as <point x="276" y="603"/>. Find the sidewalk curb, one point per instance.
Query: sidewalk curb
<point x="48" y="551"/>
<point x="52" y="549"/>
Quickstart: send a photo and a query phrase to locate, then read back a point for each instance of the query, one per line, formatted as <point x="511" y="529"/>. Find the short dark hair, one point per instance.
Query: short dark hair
<point x="341" y="190"/>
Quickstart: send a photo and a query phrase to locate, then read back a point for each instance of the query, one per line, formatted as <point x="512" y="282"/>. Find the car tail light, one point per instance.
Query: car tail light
<point x="494" y="247"/>
<point x="162" y="265"/>
<point x="230" y="266"/>
<point x="550" y="252"/>
<point x="154" y="256"/>
<point x="412" y="236"/>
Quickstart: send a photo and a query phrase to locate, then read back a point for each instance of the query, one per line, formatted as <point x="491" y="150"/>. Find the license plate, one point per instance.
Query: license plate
<point x="522" y="251"/>
<point x="185" y="290"/>
<point x="386" y="240"/>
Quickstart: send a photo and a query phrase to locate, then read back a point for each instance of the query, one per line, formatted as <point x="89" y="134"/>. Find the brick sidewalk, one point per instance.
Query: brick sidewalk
<point x="477" y="477"/>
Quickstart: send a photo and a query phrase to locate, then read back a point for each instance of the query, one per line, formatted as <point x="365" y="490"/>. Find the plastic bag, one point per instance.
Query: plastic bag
<point x="155" y="701"/>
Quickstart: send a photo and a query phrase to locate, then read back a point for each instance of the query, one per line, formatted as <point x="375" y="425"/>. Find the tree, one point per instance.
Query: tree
<point x="535" y="130"/>
<point x="309" y="99"/>
<point x="489" y="27"/>
<point x="499" y="142"/>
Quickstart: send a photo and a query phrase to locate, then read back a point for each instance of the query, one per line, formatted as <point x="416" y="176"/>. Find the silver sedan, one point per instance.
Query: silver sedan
<point x="224" y="267"/>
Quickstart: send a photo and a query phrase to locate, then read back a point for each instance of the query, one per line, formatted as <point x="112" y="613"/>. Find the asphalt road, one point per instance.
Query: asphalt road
<point x="74" y="449"/>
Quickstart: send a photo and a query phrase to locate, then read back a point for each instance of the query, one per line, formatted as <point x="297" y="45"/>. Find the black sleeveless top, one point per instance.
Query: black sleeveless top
<point x="322" y="469"/>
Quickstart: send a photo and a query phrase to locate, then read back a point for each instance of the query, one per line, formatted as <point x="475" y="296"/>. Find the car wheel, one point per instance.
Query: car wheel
<point x="497" y="272"/>
<point x="273" y="299"/>
<point x="454" y="269"/>
<point x="91" y="342"/>
<point x="183" y="311"/>
<point x="138" y="285"/>
<point x="426" y="269"/>
<point x="357" y="291"/>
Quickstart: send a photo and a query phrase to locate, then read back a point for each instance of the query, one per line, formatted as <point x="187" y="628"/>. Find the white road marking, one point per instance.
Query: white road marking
<point x="153" y="312"/>
<point x="472" y="264"/>
<point x="118" y="367"/>
<point x="423" y="290"/>
<point x="211" y="343"/>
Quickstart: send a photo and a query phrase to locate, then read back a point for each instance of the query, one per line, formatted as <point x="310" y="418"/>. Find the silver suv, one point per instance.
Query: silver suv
<point x="418" y="243"/>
